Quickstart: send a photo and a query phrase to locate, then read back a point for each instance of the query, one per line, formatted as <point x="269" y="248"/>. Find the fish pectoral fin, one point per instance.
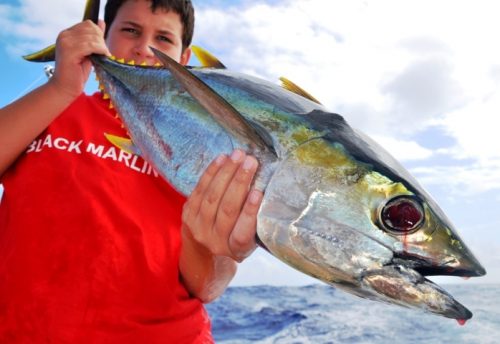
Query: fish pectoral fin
<point x="49" y="54"/>
<point x="206" y="59"/>
<point x="222" y="112"/>
<point x="292" y="87"/>
<point x="404" y="286"/>
<point x="125" y="144"/>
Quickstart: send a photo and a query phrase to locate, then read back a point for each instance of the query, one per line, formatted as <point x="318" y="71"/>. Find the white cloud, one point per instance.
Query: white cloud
<point x="471" y="179"/>
<point x="423" y="90"/>
<point x="392" y="68"/>
<point x="37" y="23"/>
<point x="476" y="128"/>
<point x="403" y="150"/>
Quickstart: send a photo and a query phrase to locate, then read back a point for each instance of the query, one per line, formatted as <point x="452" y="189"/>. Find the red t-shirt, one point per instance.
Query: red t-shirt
<point x="90" y="242"/>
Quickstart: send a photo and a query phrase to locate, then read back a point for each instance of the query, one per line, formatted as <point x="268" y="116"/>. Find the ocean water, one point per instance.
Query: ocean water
<point x="322" y="314"/>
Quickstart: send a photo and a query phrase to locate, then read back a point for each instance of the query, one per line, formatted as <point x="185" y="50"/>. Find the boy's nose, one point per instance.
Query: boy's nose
<point x="143" y="51"/>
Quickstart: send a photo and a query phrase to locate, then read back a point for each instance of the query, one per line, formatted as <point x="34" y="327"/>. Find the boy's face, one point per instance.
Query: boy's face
<point x="136" y="28"/>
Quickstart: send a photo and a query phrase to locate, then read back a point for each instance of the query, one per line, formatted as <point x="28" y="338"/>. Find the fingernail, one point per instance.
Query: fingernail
<point x="249" y="163"/>
<point x="236" y="155"/>
<point x="220" y="159"/>
<point x="254" y="197"/>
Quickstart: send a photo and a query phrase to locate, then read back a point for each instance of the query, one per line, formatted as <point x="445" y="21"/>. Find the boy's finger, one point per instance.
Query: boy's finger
<point x="206" y="178"/>
<point x="242" y="240"/>
<point x="102" y="25"/>
<point x="233" y="199"/>
<point x="218" y="186"/>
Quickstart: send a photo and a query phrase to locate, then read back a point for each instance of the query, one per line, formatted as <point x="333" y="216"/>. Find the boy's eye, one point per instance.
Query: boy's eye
<point x="130" y="30"/>
<point x="164" y="39"/>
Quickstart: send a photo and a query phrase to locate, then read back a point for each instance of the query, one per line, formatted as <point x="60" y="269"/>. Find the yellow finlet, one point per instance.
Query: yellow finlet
<point x="131" y="63"/>
<point x="125" y="144"/>
<point x="120" y="61"/>
<point x="143" y="64"/>
<point x="112" y="58"/>
<point x="292" y="87"/>
<point x="105" y="96"/>
<point x="206" y="59"/>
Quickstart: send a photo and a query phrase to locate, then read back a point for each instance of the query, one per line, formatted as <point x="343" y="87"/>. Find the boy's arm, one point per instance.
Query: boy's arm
<point x="219" y="223"/>
<point x="23" y="120"/>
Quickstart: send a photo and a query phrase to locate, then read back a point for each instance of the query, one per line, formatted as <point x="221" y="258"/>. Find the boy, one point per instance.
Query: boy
<point x="90" y="238"/>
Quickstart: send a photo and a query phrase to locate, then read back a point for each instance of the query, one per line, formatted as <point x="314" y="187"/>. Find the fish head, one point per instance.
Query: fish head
<point x="363" y="225"/>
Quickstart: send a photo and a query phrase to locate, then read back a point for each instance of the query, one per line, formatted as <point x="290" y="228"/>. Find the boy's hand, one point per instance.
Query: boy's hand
<point x="221" y="213"/>
<point x="73" y="46"/>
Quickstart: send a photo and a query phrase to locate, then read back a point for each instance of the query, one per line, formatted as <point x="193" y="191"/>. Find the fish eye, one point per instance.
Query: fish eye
<point x="402" y="215"/>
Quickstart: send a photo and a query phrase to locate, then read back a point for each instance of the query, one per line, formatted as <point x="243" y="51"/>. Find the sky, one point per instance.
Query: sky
<point x="421" y="77"/>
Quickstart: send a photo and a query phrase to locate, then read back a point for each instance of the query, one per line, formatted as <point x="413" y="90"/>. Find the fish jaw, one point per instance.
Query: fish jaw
<point x="406" y="287"/>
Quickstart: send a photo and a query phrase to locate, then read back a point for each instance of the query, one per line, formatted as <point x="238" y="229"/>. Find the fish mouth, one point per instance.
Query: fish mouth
<point x="466" y="266"/>
<point x="99" y="59"/>
<point x="402" y="281"/>
<point x="437" y="271"/>
<point x="404" y="286"/>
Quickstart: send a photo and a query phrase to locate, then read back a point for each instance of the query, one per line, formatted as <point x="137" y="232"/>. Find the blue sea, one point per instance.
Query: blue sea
<point x="322" y="314"/>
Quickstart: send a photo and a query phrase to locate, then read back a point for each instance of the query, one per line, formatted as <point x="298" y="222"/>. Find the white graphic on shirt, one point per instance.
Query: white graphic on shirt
<point x="58" y="143"/>
<point x="132" y="161"/>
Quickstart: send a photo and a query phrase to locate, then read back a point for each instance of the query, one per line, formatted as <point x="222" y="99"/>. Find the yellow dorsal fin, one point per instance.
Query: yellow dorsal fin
<point x="289" y="85"/>
<point x="206" y="59"/>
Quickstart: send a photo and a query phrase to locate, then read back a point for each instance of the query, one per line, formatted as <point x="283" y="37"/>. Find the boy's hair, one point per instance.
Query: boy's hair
<point x="184" y="8"/>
